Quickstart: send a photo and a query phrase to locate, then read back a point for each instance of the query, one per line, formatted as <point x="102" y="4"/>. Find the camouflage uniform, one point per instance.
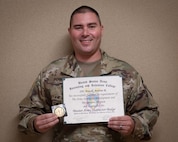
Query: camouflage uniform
<point x="47" y="91"/>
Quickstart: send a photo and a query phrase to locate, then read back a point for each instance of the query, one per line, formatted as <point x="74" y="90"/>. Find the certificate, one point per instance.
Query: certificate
<point x="92" y="99"/>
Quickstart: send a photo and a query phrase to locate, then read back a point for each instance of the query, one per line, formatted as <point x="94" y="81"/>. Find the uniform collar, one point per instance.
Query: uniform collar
<point x="71" y="67"/>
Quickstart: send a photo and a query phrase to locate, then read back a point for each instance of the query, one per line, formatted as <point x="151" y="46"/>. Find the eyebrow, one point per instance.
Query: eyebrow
<point x="94" y="23"/>
<point x="77" y="25"/>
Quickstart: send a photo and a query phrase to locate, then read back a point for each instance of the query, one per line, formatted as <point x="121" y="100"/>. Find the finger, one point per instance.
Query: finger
<point x="44" y="122"/>
<point x="47" y="124"/>
<point x="117" y="125"/>
<point x="116" y="118"/>
<point x="46" y="116"/>
<point x="123" y="120"/>
<point x="117" y="122"/>
<point x="124" y="130"/>
<point x="120" y="118"/>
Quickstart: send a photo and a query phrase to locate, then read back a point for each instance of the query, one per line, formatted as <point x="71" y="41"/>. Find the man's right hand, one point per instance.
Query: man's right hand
<point x="44" y="122"/>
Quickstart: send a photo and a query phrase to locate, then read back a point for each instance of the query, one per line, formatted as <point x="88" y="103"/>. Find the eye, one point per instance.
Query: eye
<point x="92" y="26"/>
<point x="78" y="27"/>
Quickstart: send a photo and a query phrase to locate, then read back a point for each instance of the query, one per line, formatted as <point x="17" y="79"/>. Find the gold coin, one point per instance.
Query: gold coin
<point x="59" y="111"/>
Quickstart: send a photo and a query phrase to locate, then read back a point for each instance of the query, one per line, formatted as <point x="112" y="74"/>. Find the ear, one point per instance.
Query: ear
<point x="69" y="31"/>
<point x="102" y="29"/>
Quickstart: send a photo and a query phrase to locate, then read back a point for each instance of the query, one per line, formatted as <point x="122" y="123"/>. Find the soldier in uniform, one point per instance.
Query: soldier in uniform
<point x="87" y="59"/>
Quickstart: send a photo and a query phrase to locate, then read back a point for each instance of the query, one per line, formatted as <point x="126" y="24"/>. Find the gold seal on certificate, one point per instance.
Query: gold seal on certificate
<point x="59" y="110"/>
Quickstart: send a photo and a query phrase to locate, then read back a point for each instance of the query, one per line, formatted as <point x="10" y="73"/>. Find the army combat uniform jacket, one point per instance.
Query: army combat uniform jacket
<point x="47" y="91"/>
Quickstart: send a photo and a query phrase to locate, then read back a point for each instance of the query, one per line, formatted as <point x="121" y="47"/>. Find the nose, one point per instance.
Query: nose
<point x="85" y="31"/>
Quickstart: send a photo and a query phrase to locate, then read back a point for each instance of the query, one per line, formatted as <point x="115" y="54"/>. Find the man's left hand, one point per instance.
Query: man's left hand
<point x="123" y="124"/>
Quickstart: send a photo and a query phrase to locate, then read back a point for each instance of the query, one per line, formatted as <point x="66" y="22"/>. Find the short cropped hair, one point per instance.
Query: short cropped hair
<point x="84" y="9"/>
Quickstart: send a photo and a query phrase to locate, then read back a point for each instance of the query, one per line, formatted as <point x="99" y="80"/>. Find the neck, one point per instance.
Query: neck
<point x="88" y="58"/>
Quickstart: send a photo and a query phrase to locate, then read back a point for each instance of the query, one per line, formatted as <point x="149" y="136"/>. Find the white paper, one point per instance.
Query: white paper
<point x="92" y="99"/>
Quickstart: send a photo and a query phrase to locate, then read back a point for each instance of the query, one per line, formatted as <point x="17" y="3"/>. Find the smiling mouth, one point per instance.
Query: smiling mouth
<point x="86" y="41"/>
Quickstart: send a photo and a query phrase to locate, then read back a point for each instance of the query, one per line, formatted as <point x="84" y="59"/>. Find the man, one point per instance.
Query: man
<point x="141" y="111"/>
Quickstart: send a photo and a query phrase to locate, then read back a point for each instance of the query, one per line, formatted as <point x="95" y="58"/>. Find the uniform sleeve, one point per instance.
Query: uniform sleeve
<point x="143" y="109"/>
<point x="30" y="107"/>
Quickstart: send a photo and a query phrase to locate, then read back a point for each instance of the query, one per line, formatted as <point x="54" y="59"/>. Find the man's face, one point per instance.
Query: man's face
<point x="85" y="33"/>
